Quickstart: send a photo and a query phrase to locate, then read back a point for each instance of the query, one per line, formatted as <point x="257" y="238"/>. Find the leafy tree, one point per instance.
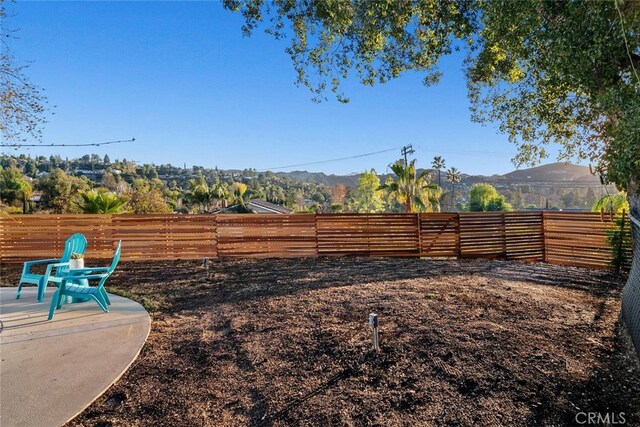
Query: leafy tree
<point x="499" y="204"/>
<point x="573" y="199"/>
<point x="8" y="162"/>
<point x="100" y="202"/>
<point x="453" y="176"/>
<point x="514" y="197"/>
<point x="566" y="72"/>
<point x="438" y="164"/>
<point x="415" y="191"/>
<point x="122" y="187"/>
<point x="14" y="188"/>
<point x="615" y="202"/>
<point x="366" y="197"/>
<point x="238" y="192"/>
<point x="59" y="191"/>
<point x="30" y="168"/>
<point x="198" y="193"/>
<point x="255" y="190"/>
<point x="485" y="197"/>
<point x="146" y="199"/>
<point x="127" y="168"/>
<point x="321" y="199"/>
<point x="219" y="193"/>
<point x="619" y="239"/>
<point x="43" y="167"/>
<point x="619" y="236"/>
<point x="380" y="40"/>
<point x="109" y="181"/>
<point x="298" y="200"/>
<point x="150" y="171"/>
<point x="338" y="194"/>
<point x="95" y="160"/>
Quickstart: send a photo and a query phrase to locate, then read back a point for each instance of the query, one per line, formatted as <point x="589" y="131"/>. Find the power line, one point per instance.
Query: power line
<point x="331" y="160"/>
<point x="93" y="144"/>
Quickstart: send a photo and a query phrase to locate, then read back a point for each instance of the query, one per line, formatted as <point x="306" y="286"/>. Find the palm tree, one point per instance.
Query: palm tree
<point x="416" y="192"/>
<point x="238" y="191"/>
<point x="453" y="176"/>
<point x="100" y="202"/>
<point x="438" y="164"/>
<point x="198" y="193"/>
<point x="220" y="193"/>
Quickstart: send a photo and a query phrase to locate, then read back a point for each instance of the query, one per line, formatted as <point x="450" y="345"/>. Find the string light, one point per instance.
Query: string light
<point x="91" y="144"/>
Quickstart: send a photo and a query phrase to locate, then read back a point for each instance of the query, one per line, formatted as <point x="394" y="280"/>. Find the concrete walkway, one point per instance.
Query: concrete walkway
<point x="51" y="371"/>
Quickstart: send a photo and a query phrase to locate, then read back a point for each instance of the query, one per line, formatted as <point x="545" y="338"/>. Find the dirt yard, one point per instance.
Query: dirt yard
<point x="286" y="342"/>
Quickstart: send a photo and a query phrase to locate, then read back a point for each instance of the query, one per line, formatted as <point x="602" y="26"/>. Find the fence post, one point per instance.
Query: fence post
<point x="315" y="232"/>
<point x="543" y="230"/>
<point x="419" y="235"/>
<point x="214" y="234"/>
<point x="503" y="216"/>
<point x="2" y="239"/>
<point x="458" y="236"/>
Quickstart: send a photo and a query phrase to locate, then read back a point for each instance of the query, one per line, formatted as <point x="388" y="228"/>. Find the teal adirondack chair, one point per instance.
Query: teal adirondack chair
<point x="69" y="287"/>
<point x="76" y="243"/>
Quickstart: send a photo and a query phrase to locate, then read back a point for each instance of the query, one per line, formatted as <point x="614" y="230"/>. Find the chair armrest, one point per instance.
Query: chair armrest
<point x="27" y="265"/>
<point x="56" y="265"/>
<point x="42" y="261"/>
<point x="71" y="278"/>
<point x="80" y="271"/>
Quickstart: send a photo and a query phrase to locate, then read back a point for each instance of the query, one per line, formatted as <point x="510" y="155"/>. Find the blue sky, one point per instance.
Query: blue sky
<point x="182" y="80"/>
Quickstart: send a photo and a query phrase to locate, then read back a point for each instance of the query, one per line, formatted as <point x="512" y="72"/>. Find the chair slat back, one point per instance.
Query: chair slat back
<point x="116" y="258"/>
<point x="76" y="243"/>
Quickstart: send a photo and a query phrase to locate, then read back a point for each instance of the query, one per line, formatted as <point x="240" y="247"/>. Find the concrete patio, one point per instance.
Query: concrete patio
<point x="50" y="371"/>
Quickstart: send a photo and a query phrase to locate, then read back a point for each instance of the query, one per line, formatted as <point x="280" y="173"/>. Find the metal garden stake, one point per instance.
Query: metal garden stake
<point x="373" y="324"/>
<point x="206" y="266"/>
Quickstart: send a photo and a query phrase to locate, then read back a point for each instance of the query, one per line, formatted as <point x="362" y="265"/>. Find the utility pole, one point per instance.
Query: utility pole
<point x="407" y="149"/>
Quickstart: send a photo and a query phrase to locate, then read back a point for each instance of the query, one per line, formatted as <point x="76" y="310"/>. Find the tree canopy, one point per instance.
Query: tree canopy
<point x="611" y="202"/>
<point x="412" y="189"/>
<point x="13" y="185"/>
<point x="60" y="191"/>
<point x="563" y="72"/>
<point x="366" y="198"/>
<point x="22" y="104"/>
<point x="485" y="197"/>
<point x="100" y="201"/>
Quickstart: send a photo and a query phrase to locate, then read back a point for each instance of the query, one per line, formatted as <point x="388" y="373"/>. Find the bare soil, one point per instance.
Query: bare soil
<point x="278" y="342"/>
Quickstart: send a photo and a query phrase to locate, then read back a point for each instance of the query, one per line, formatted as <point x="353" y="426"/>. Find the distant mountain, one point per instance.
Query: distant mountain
<point x="551" y="173"/>
<point x="350" y="180"/>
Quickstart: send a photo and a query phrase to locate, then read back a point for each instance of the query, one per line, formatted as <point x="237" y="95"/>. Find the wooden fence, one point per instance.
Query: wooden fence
<point x="578" y="239"/>
<point x="556" y="237"/>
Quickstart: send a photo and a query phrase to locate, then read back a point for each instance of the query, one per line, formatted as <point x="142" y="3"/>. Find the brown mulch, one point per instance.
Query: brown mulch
<point x="286" y="342"/>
